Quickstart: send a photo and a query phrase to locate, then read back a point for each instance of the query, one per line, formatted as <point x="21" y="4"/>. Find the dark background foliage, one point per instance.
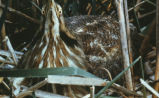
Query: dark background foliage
<point x="20" y="30"/>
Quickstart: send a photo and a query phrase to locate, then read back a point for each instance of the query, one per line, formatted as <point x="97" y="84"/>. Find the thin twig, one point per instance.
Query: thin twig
<point x="144" y="15"/>
<point x="150" y="2"/>
<point x="5" y="85"/>
<point x="139" y="4"/>
<point x="138" y="7"/>
<point x="107" y="71"/>
<point x="136" y="18"/>
<point x="21" y="14"/>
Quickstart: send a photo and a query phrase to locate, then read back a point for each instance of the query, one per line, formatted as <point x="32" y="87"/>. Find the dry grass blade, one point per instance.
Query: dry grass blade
<point x="149" y="87"/>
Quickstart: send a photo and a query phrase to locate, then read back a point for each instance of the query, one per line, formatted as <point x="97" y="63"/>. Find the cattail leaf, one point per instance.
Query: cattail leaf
<point x="44" y="72"/>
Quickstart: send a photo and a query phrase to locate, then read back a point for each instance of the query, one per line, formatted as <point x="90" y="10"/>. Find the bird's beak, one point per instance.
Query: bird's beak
<point x="52" y="3"/>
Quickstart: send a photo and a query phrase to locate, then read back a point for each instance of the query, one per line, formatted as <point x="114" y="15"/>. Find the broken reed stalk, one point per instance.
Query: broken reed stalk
<point x="128" y="31"/>
<point x="123" y="38"/>
<point x="92" y="91"/>
<point x="145" y="84"/>
<point x="128" y="38"/>
<point x="31" y="89"/>
<point x="157" y="48"/>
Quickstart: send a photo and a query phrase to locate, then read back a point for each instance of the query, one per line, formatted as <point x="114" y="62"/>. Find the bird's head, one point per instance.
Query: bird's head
<point x="54" y="19"/>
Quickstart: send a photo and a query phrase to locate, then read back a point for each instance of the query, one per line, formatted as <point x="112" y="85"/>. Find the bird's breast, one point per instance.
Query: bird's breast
<point x="50" y="52"/>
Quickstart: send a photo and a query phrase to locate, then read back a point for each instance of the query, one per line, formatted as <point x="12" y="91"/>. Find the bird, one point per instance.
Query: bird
<point x="91" y="43"/>
<point x="57" y="47"/>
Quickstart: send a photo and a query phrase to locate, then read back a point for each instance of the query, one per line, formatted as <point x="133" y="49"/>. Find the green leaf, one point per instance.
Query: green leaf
<point x="44" y="72"/>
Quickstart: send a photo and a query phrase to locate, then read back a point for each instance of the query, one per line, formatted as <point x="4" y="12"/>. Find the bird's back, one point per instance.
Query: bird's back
<point x="100" y="38"/>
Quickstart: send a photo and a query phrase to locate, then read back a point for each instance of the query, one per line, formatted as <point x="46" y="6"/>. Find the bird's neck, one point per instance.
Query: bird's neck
<point x="51" y="28"/>
<point x="60" y="49"/>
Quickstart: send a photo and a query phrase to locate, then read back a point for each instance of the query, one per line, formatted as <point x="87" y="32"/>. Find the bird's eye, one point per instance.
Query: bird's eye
<point x="59" y="9"/>
<point x="60" y="12"/>
<point x="43" y="10"/>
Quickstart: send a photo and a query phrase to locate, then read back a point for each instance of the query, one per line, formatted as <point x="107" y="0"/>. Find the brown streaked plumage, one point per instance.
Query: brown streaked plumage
<point x="100" y="39"/>
<point x="56" y="48"/>
<point x="56" y="45"/>
<point x="87" y="42"/>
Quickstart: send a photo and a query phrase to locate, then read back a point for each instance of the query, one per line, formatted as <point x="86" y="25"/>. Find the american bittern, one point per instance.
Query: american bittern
<point x="85" y="42"/>
<point x="57" y="47"/>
